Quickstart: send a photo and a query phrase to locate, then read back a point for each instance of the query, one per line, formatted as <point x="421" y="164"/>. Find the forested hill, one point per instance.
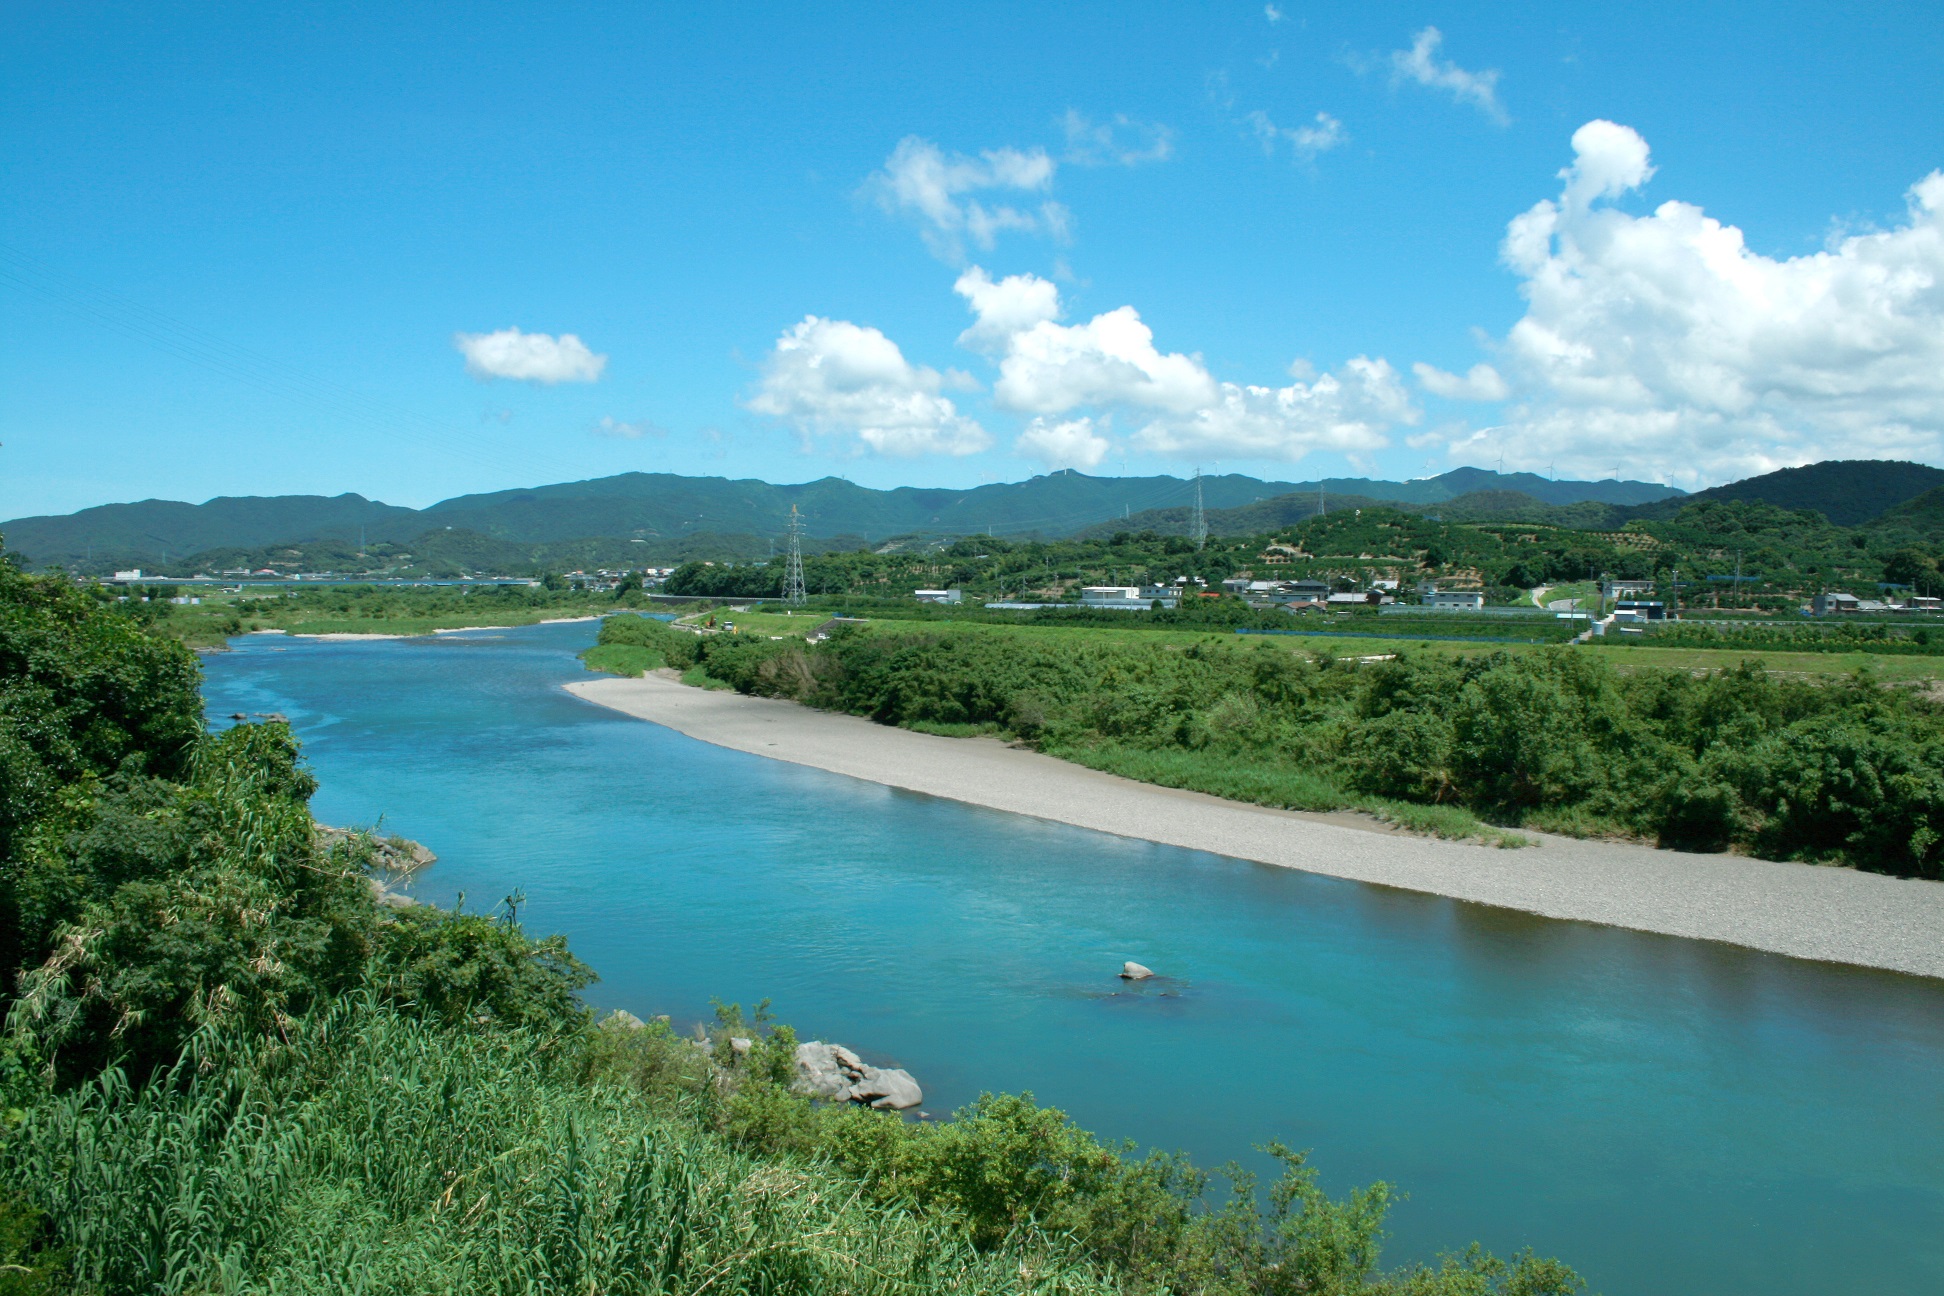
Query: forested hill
<point x="1896" y="499"/>
<point x="664" y="508"/>
<point x="1298" y="506"/>
<point x="1848" y="492"/>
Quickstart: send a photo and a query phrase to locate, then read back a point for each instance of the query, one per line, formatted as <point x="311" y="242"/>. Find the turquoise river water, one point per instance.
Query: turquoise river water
<point x="1671" y="1117"/>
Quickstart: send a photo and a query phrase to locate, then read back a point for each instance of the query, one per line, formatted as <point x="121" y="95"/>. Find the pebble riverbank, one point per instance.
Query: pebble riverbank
<point x="1830" y="914"/>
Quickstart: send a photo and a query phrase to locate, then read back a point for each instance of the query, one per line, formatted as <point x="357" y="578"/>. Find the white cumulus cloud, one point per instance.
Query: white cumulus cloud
<point x="1318" y="136"/>
<point x="1051" y="370"/>
<point x="1348" y="411"/>
<point x="921" y="180"/>
<point x="628" y="431"/>
<point x="1420" y="64"/>
<point x="1068" y="443"/>
<point x="529" y="357"/>
<point x="1120" y="140"/>
<point x="833" y="378"/>
<point x="1662" y="341"/>
<point x="1010" y="306"/>
<point x="1482" y="383"/>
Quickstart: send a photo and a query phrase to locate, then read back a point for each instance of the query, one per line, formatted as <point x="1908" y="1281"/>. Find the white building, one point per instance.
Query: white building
<point x="1625" y="589"/>
<point x="1294" y="591"/>
<point x="939" y="596"/>
<point x="1128" y="598"/>
<point x="1453" y="600"/>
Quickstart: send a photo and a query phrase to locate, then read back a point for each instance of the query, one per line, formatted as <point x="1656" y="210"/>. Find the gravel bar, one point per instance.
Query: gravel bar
<point x="1832" y="914"/>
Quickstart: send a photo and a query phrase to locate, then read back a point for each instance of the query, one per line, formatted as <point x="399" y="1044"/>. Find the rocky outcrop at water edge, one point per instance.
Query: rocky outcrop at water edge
<point x="834" y="1072"/>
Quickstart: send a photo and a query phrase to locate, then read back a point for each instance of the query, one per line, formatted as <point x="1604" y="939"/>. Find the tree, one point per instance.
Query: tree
<point x="1913" y="567"/>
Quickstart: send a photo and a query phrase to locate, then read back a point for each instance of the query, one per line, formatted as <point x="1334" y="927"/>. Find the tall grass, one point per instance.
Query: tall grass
<point x="631" y="660"/>
<point x="1273" y="783"/>
<point x="377" y="1153"/>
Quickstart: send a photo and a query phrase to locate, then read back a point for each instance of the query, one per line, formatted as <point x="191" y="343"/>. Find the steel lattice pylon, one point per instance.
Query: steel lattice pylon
<point x="793" y="591"/>
<point x="1199" y="525"/>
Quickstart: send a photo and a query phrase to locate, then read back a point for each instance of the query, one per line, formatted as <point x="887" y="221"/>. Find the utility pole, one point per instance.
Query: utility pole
<point x="793" y="592"/>
<point x="1322" y="505"/>
<point x="1200" y="523"/>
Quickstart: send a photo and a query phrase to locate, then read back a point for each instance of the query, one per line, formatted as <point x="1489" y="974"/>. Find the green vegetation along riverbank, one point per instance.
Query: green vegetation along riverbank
<point x="228" y="1066"/>
<point x="1840" y="770"/>
<point x="356" y="609"/>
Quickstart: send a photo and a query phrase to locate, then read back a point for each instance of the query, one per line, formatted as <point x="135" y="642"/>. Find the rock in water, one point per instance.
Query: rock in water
<point x="1134" y="972"/>
<point x="834" y="1072"/>
<point x="817" y="1071"/>
<point x="887" y="1090"/>
<point x="621" y="1019"/>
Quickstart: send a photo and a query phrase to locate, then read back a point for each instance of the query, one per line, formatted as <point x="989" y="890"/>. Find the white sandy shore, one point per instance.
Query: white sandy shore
<point x="1836" y="915"/>
<point x="347" y="637"/>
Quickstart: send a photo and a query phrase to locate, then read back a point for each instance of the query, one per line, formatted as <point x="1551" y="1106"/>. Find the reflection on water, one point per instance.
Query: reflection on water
<point x="1672" y="1117"/>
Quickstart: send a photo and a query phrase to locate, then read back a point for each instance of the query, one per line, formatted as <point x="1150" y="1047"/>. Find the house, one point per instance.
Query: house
<point x="939" y="596"/>
<point x="1640" y="609"/>
<point x="1830" y="603"/>
<point x="1923" y="603"/>
<point x="1296" y="591"/>
<point x="1341" y="602"/>
<point x="1453" y="600"/>
<point x="1128" y="598"/>
<point x="1625" y="589"/>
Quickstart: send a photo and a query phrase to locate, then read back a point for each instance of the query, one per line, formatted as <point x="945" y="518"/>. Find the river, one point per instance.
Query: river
<point x="1671" y="1117"/>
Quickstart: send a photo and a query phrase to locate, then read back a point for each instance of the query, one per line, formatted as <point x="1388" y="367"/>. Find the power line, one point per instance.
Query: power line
<point x="793" y="591"/>
<point x="1200" y="525"/>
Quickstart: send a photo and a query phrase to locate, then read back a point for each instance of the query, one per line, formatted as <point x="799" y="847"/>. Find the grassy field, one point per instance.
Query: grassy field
<point x="1622" y="655"/>
<point x="211" y="623"/>
<point x="1889" y="669"/>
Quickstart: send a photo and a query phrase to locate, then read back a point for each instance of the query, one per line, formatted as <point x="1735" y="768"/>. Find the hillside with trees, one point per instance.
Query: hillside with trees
<point x="1783" y="557"/>
<point x="666" y="509"/>
<point x="1846" y="491"/>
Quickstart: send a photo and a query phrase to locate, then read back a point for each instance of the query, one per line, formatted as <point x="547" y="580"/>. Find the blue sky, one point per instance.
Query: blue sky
<point x="414" y="251"/>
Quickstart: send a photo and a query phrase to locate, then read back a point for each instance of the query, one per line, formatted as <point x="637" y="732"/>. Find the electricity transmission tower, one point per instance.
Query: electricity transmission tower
<point x="793" y="591"/>
<point x="1200" y="523"/>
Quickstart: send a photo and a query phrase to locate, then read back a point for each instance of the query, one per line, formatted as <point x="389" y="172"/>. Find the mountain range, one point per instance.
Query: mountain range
<point x="639" y="518"/>
<point x="662" y="511"/>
